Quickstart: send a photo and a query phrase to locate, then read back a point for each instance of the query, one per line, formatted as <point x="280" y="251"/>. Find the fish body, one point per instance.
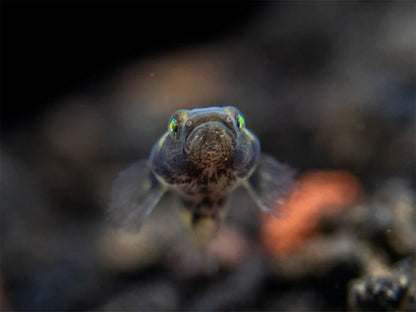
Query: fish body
<point x="206" y="158"/>
<point x="205" y="154"/>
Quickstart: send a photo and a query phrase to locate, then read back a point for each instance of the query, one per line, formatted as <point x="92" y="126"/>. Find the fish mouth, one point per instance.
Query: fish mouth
<point x="210" y="141"/>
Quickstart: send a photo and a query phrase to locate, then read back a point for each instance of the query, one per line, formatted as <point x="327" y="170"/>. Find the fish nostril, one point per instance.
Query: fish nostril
<point x="189" y="123"/>
<point x="187" y="147"/>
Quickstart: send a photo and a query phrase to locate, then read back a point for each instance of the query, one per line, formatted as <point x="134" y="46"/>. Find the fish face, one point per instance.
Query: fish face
<point x="214" y="138"/>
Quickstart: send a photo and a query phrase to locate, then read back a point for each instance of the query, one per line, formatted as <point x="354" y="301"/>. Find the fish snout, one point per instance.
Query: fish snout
<point x="210" y="141"/>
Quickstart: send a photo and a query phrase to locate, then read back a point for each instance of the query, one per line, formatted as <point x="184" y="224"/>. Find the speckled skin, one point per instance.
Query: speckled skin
<point x="209" y="156"/>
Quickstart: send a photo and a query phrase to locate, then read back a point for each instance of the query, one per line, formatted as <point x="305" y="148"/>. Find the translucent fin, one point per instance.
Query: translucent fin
<point x="270" y="184"/>
<point x="135" y="193"/>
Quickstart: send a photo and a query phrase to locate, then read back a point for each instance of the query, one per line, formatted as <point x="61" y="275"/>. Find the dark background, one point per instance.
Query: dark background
<point x="53" y="48"/>
<point x="88" y="87"/>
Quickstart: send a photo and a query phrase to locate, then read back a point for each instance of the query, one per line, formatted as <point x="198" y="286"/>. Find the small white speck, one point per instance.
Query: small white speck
<point x="390" y="293"/>
<point x="152" y="75"/>
<point x="388" y="230"/>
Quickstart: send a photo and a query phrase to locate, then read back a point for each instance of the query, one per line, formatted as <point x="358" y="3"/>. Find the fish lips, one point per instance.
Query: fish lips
<point x="211" y="139"/>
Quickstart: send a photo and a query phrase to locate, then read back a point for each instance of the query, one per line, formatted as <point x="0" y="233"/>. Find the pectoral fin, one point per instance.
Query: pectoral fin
<point x="135" y="193"/>
<point x="270" y="184"/>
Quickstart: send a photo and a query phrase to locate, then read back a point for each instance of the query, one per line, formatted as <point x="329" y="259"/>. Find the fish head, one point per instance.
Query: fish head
<point x="206" y="137"/>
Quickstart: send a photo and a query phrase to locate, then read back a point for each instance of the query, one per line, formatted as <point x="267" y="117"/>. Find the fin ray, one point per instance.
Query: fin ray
<point x="135" y="192"/>
<point x="270" y="184"/>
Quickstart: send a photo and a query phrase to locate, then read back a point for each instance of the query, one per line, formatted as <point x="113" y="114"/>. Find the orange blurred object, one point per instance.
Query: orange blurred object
<point x="319" y="193"/>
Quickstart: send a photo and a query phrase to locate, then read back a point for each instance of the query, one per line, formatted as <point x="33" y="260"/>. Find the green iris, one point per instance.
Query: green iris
<point x="240" y="121"/>
<point x="173" y="126"/>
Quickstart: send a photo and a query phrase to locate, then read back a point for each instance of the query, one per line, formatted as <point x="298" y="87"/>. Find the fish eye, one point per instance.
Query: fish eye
<point x="173" y="127"/>
<point x="240" y="121"/>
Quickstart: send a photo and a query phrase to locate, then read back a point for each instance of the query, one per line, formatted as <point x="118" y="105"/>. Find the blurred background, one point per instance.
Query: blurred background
<point x="328" y="87"/>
